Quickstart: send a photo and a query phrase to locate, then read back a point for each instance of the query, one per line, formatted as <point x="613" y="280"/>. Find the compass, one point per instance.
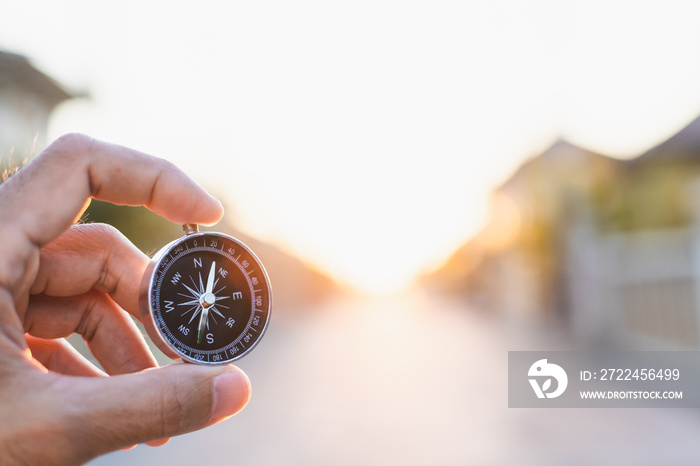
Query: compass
<point x="205" y="298"/>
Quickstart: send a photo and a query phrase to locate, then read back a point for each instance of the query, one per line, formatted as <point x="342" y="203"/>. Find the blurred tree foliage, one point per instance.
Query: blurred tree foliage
<point x="148" y="231"/>
<point x="649" y="196"/>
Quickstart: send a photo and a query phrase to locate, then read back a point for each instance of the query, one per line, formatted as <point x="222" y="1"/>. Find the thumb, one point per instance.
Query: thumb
<point x="115" y="412"/>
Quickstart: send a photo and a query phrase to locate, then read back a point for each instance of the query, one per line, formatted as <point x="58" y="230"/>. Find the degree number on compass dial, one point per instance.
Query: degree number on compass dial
<point x="208" y="299"/>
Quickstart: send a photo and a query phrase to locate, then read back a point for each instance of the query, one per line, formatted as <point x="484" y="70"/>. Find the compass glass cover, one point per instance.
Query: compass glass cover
<point x="209" y="298"/>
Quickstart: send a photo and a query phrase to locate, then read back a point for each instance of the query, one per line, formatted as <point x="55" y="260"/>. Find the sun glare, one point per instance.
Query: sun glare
<point x="366" y="137"/>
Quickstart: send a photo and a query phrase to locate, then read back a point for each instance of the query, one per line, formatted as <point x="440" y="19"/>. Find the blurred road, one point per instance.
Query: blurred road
<point x="412" y="380"/>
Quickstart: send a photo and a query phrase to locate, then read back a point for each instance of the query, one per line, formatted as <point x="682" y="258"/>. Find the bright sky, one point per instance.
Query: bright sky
<point x="364" y="136"/>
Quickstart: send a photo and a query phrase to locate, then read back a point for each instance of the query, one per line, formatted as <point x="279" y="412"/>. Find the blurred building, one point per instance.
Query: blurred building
<point x="610" y="247"/>
<point x="27" y="98"/>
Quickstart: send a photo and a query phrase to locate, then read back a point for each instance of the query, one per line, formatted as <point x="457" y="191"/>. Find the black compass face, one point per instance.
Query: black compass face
<point x="209" y="298"/>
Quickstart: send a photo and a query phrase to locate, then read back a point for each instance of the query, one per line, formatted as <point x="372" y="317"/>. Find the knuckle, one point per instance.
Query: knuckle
<point x="68" y="152"/>
<point x="102" y="233"/>
<point x="18" y="254"/>
<point x="70" y="143"/>
<point x="103" y="238"/>
<point x="90" y="320"/>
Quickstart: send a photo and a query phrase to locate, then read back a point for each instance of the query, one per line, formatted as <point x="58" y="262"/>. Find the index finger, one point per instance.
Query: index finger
<point x="46" y="196"/>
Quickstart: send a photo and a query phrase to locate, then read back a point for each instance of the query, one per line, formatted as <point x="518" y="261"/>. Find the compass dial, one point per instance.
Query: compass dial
<point x="208" y="299"/>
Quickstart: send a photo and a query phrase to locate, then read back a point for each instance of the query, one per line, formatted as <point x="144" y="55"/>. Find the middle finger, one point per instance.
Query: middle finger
<point x="92" y="256"/>
<point x="109" y="332"/>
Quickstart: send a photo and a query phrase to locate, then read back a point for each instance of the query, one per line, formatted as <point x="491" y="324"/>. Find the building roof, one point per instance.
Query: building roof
<point x="560" y="158"/>
<point x="17" y="72"/>
<point x="682" y="147"/>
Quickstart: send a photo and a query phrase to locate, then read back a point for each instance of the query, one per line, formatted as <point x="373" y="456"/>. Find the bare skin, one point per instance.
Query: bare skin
<point x="57" y="278"/>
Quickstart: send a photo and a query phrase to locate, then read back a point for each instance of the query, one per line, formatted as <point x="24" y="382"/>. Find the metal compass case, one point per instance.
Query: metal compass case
<point x="205" y="298"/>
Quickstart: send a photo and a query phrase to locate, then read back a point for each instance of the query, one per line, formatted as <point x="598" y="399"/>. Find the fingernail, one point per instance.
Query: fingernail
<point x="231" y="393"/>
<point x="218" y="202"/>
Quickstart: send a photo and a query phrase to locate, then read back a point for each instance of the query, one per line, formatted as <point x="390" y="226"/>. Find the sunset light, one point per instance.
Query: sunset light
<point x="366" y="137"/>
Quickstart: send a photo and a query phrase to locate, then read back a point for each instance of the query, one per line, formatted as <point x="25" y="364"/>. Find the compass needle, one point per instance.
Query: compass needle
<point x="210" y="279"/>
<point x="202" y="323"/>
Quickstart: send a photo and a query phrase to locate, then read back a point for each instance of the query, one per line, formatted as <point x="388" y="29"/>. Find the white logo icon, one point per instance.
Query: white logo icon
<point x="547" y="371"/>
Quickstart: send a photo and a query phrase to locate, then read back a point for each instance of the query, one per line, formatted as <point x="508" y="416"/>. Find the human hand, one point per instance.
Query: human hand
<point x="57" y="278"/>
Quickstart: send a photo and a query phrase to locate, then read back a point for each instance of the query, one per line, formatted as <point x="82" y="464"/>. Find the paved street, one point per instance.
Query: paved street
<point x="412" y="381"/>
